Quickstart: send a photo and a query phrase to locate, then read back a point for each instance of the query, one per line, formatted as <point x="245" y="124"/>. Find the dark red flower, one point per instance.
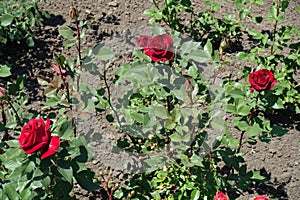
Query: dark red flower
<point x="35" y="136"/>
<point x="52" y="148"/>
<point x="221" y="196"/>
<point x="143" y="40"/>
<point x="160" y="48"/>
<point x="262" y="80"/>
<point x="262" y="197"/>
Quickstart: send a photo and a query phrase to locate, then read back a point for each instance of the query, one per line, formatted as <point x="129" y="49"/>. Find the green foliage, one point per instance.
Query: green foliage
<point x="17" y="18"/>
<point x="181" y="16"/>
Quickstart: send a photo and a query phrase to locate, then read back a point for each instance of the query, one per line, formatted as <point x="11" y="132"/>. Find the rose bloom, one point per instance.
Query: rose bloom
<point x="35" y="136"/>
<point x="262" y="197"/>
<point x="160" y="48"/>
<point x="262" y="80"/>
<point x="143" y="40"/>
<point x="221" y="196"/>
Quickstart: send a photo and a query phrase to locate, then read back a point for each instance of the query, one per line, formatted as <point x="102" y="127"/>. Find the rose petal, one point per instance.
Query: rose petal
<point x="220" y="196"/>
<point x="143" y="40"/>
<point x="262" y="197"/>
<point x="53" y="147"/>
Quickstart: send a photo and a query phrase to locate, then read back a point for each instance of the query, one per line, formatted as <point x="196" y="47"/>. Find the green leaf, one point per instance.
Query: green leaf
<point x="170" y="124"/>
<point x="160" y="111"/>
<point x="278" y="131"/>
<point x="66" y="130"/>
<point x="105" y="54"/>
<point x="230" y="108"/>
<point x="65" y="32"/>
<point x="208" y="47"/>
<point x="62" y="189"/>
<point x="236" y="93"/>
<point x="186" y="47"/>
<point x="10" y="190"/>
<point x="70" y="42"/>
<point x="200" y="56"/>
<point x="195" y="195"/>
<point x="4" y="71"/>
<point x="257" y="177"/>
<point x="141" y="55"/>
<point x="53" y="100"/>
<point x="244" y="110"/>
<point x="13" y="143"/>
<point x="30" y="41"/>
<point x="85" y="180"/>
<point x="218" y="123"/>
<point x="175" y="137"/>
<point x="242" y="55"/>
<point x="118" y="194"/>
<point x="193" y="71"/>
<point x="6" y="19"/>
<point x="67" y="173"/>
<point x="197" y="160"/>
<point x="253" y="131"/>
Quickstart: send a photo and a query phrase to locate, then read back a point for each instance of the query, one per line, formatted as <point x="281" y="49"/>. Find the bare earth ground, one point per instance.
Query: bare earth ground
<point x="118" y="24"/>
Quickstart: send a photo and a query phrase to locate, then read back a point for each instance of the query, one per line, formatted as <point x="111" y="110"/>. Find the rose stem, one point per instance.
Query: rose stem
<point x="109" y="94"/>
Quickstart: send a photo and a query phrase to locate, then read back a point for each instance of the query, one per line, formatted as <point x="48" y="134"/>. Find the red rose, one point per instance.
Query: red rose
<point x="262" y="80"/>
<point x="143" y="40"/>
<point x="220" y="196"/>
<point x="160" y="48"/>
<point x="262" y="197"/>
<point x="35" y="136"/>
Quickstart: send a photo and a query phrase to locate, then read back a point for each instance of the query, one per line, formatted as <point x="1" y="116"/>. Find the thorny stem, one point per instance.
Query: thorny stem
<point x="79" y="52"/>
<point x="66" y="86"/>
<point x="191" y="88"/>
<point x="275" y="27"/>
<point x="109" y="95"/>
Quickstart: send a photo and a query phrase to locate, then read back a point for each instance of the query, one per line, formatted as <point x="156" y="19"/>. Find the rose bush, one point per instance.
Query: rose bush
<point x="262" y="80"/>
<point x="220" y="196"/>
<point x="35" y="136"/>
<point x="159" y="48"/>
